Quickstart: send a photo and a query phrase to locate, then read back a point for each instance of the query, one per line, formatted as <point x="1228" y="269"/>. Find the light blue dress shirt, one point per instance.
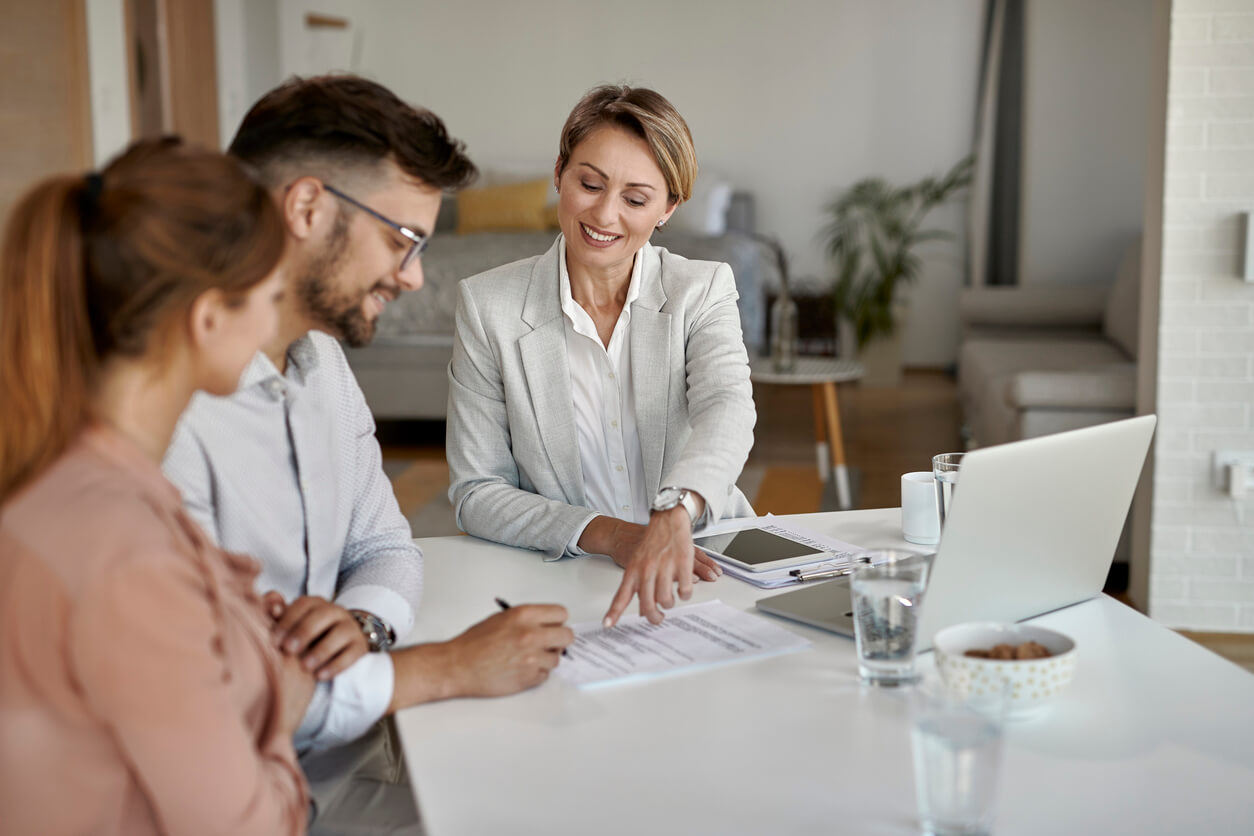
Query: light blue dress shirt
<point x="288" y="470"/>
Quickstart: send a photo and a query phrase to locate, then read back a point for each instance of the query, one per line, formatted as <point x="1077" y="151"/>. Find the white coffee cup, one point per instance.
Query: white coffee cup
<point x="919" y="521"/>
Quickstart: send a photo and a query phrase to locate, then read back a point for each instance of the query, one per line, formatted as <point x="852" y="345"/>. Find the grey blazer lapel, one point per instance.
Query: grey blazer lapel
<point x="543" y="354"/>
<point x="650" y="368"/>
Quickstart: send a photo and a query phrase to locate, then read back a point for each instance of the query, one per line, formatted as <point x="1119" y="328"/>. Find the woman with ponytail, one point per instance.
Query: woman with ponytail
<point x="140" y="691"/>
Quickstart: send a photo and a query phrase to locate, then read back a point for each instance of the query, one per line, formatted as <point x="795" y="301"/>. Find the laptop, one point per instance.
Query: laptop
<point x="1032" y="528"/>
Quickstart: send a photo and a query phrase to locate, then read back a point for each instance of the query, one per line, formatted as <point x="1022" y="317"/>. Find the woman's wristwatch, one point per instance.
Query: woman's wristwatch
<point x="668" y="498"/>
<point x="379" y="636"/>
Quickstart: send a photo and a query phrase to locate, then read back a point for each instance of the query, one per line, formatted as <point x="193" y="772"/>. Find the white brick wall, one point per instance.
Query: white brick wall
<point x="1202" y="543"/>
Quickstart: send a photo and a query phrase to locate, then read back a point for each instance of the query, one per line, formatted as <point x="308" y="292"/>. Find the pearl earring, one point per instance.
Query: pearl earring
<point x="661" y="223"/>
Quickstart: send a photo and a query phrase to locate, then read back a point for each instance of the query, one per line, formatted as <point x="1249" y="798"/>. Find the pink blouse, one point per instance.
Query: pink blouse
<point x="139" y="689"/>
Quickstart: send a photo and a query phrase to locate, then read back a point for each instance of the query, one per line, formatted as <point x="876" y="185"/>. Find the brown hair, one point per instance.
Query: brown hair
<point x="94" y="266"/>
<point x="648" y="115"/>
<point x="329" y="125"/>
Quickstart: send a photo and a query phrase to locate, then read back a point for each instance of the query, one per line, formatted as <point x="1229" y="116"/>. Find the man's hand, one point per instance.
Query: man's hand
<point x="510" y="651"/>
<point x="325" y="636"/>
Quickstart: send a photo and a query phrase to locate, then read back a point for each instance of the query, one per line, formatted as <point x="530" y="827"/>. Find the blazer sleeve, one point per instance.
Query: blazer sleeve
<point x="483" y="474"/>
<point x="721" y="413"/>
<point x="158" y="675"/>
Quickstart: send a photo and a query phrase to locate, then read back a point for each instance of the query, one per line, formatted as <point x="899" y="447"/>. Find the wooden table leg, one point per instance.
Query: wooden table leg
<point x="821" y="451"/>
<point x="832" y="410"/>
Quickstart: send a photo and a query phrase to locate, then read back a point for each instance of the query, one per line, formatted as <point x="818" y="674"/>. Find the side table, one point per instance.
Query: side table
<point x="822" y="374"/>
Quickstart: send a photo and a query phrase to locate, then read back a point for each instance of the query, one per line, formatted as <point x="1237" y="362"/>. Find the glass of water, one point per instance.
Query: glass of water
<point x="957" y="744"/>
<point x="887" y="596"/>
<point x="945" y="469"/>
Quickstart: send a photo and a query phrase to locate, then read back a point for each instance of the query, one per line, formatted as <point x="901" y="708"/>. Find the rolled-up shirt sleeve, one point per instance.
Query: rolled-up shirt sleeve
<point x="343" y="709"/>
<point x="165" y="677"/>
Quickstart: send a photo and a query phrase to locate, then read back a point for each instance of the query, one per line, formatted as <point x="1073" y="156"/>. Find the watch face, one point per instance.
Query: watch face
<point x="667" y="498"/>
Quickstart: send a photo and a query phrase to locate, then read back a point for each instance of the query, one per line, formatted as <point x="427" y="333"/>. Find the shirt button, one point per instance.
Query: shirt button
<point x="626" y="507"/>
<point x="619" y="468"/>
<point x="611" y="375"/>
<point x="614" y="424"/>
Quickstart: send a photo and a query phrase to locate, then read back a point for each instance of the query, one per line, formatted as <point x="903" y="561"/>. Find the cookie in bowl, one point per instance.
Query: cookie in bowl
<point x="1035" y="663"/>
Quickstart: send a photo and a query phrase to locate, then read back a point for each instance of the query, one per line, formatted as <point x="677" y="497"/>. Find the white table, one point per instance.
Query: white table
<point x="821" y="374"/>
<point x="1156" y="734"/>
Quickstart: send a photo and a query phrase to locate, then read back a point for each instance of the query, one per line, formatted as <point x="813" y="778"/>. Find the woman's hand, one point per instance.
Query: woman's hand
<point x="655" y="558"/>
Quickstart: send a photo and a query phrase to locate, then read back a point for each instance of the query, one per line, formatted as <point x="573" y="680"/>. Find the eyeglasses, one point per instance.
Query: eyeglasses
<point x="417" y="242"/>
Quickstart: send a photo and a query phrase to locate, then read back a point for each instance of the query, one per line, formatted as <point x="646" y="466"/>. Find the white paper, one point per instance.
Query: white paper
<point x="692" y="636"/>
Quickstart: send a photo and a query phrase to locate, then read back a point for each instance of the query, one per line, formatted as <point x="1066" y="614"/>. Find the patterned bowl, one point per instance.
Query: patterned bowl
<point x="1031" y="681"/>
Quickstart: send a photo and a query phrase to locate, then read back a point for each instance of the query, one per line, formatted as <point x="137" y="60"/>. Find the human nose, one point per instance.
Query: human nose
<point x="603" y="211"/>
<point x="410" y="278"/>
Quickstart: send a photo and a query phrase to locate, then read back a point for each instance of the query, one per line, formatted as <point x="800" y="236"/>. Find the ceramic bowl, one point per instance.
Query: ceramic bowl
<point x="1032" y="682"/>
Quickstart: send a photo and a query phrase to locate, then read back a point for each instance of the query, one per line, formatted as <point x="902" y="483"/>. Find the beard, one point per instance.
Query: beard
<point x="339" y="314"/>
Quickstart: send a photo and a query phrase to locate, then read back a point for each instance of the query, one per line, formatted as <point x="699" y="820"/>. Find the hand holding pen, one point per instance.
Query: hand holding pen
<point x="504" y="605"/>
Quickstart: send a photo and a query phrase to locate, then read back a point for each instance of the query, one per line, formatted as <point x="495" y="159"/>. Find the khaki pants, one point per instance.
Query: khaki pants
<point x="363" y="787"/>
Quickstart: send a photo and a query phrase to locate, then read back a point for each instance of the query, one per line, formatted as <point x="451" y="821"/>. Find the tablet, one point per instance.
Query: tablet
<point x="757" y="550"/>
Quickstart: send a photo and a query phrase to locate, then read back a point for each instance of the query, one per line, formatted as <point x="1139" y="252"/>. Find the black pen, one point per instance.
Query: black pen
<point x="504" y="605"/>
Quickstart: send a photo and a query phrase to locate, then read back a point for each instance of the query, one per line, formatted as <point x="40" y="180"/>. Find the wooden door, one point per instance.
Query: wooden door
<point x="45" y="109"/>
<point x="173" y="69"/>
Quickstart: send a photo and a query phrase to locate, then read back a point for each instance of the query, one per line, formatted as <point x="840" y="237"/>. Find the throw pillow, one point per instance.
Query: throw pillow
<point x="511" y="206"/>
<point x="705" y="213"/>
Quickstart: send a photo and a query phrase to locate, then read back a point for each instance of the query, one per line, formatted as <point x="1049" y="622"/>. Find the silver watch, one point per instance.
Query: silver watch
<point x="379" y="636"/>
<point x="668" y="498"/>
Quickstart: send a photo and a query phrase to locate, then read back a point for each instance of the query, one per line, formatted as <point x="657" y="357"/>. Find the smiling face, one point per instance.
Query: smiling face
<point x="355" y="271"/>
<point x="611" y="196"/>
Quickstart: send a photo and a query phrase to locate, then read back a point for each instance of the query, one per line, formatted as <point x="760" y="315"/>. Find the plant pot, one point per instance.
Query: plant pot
<point x="880" y="358"/>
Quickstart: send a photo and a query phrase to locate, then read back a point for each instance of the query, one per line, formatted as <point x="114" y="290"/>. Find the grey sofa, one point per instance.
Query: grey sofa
<point x="404" y="371"/>
<point x="1040" y="359"/>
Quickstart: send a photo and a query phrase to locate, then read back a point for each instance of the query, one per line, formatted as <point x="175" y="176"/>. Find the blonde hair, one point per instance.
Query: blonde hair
<point x="648" y="115"/>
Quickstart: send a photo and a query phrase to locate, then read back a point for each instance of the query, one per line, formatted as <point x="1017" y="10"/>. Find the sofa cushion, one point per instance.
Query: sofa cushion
<point x="1101" y="387"/>
<point x="987" y="371"/>
<point x="515" y="206"/>
<point x="1122" y="305"/>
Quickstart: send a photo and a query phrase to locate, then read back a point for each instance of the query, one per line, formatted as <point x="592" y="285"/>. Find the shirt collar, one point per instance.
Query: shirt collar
<point x="302" y="360"/>
<point x="569" y="305"/>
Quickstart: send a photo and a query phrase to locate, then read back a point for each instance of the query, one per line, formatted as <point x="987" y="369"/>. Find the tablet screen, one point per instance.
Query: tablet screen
<point x="755" y="546"/>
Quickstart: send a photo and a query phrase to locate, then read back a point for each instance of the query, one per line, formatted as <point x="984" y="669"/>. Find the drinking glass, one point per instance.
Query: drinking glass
<point x="957" y="741"/>
<point x="887" y="596"/>
<point x="945" y="469"/>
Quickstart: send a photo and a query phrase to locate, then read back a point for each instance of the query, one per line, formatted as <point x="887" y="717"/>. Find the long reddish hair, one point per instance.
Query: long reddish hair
<point x="100" y="265"/>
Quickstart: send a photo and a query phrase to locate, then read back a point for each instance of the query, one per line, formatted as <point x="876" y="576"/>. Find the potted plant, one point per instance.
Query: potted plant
<point x="871" y="239"/>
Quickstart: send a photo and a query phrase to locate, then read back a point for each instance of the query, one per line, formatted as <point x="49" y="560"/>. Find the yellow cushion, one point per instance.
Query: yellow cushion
<point x="514" y="206"/>
<point x="550" y="216"/>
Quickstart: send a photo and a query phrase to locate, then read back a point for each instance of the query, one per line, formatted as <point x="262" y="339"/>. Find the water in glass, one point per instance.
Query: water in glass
<point x="886" y="617"/>
<point x="957" y="754"/>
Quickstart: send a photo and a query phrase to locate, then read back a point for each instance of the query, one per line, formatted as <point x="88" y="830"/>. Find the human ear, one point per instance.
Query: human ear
<point x="302" y="206"/>
<point x="205" y="317"/>
<point x="557" y="175"/>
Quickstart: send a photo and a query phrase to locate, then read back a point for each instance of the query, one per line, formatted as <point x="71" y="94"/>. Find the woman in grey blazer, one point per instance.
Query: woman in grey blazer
<point x="599" y="395"/>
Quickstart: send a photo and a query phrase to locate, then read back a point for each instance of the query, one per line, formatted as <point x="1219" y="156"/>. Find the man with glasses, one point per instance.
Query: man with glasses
<point x="288" y="469"/>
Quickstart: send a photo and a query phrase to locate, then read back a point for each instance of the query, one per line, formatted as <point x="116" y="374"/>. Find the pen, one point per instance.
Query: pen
<point x="504" y="605"/>
<point x="825" y="574"/>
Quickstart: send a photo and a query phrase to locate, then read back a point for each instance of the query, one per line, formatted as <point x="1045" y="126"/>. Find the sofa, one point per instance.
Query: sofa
<point x="403" y="373"/>
<point x="1044" y="358"/>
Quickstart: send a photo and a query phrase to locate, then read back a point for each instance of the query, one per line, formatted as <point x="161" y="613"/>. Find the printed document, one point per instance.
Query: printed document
<point x="692" y="636"/>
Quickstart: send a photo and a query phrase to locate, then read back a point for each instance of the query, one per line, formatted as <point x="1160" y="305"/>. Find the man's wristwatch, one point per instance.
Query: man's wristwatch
<point x="668" y="498"/>
<point x="379" y="636"/>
